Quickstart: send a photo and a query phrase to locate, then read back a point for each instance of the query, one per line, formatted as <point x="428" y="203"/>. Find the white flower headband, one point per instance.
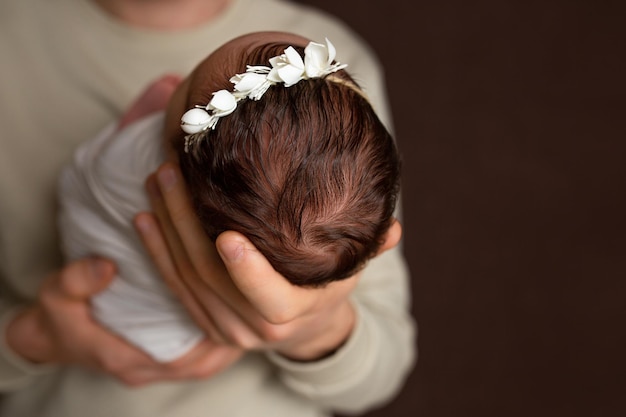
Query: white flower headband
<point x="288" y="68"/>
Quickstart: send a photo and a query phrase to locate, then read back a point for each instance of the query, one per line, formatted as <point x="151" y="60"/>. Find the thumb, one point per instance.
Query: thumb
<point x="85" y="277"/>
<point x="272" y="295"/>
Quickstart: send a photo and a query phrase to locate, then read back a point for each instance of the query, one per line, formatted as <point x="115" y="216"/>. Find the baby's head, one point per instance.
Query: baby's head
<point x="307" y="172"/>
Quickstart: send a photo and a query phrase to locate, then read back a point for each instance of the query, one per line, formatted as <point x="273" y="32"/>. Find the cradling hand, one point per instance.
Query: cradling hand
<point x="229" y="287"/>
<point x="59" y="329"/>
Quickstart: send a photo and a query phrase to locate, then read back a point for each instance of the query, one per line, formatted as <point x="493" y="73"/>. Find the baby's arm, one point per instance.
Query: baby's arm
<point x="154" y="98"/>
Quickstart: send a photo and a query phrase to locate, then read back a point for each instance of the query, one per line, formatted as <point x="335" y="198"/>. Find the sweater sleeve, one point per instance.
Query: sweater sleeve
<point x="370" y="368"/>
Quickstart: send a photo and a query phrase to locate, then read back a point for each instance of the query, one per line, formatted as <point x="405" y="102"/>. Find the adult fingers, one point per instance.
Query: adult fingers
<point x="183" y="223"/>
<point x="64" y="315"/>
<point x="159" y="251"/>
<point x="166" y="248"/>
<point x="177" y="251"/>
<point x="73" y="335"/>
<point x="273" y="296"/>
<point x="184" y="220"/>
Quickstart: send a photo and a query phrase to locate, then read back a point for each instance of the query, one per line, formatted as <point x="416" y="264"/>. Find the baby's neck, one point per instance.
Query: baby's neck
<point x="164" y="14"/>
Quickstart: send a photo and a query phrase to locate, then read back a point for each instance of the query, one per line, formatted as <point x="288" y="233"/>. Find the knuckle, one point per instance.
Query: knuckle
<point x="272" y="333"/>
<point x="244" y="341"/>
<point x="280" y="317"/>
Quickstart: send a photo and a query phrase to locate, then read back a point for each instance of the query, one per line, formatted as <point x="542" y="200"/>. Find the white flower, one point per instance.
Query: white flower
<point x="198" y="119"/>
<point x="318" y="59"/>
<point x="222" y="104"/>
<point x="251" y="84"/>
<point x="195" y="120"/>
<point x="287" y="68"/>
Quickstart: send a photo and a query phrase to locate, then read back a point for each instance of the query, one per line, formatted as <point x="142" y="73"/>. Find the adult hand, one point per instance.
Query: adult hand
<point x="229" y="287"/>
<point x="58" y="329"/>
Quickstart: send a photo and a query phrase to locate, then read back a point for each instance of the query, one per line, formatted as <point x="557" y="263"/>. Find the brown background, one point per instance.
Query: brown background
<point x="511" y="118"/>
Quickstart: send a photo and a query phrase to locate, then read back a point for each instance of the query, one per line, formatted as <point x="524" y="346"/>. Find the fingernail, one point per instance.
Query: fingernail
<point x="142" y="223"/>
<point x="167" y="178"/>
<point x="231" y="250"/>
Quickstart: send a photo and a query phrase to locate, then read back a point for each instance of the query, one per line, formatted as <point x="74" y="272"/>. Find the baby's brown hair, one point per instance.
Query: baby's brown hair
<point x="308" y="173"/>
